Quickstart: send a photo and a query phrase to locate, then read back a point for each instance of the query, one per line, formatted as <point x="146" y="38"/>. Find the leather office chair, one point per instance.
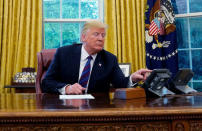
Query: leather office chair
<point x="44" y="59"/>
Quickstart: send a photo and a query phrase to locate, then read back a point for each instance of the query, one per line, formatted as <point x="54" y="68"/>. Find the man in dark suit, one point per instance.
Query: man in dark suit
<point x="67" y="70"/>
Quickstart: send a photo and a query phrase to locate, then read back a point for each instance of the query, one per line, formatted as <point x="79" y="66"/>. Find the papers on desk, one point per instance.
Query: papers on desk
<point x="86" y="96"/>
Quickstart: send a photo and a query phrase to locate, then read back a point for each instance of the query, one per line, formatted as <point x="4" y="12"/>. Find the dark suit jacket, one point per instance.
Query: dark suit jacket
<point x="64" y="70"/>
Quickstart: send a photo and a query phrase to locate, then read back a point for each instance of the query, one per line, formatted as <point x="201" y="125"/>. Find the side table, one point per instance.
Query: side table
<point x="22" y="88"/>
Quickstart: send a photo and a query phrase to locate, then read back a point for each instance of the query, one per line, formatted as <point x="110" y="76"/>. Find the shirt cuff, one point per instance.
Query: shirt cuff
<point x="62" y="90"/>
<point x="131" y="83"/>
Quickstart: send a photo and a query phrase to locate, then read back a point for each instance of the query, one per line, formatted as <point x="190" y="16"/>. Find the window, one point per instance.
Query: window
<point x="63" y="19"/>
<point x="189" y="36"/>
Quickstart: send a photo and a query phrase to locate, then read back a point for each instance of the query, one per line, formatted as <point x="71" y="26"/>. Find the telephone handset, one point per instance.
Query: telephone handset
<point x="180" y="81"/>
<point x="154" y="85"/>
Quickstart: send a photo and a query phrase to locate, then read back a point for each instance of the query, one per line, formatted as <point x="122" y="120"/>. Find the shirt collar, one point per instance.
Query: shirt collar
<point x="84" y="54"/>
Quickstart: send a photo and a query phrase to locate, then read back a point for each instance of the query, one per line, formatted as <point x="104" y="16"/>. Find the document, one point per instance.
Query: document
<point x="86" y="96"/>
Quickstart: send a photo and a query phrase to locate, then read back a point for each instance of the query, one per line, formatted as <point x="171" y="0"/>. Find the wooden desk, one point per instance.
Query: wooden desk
<point x="46" y="112"/>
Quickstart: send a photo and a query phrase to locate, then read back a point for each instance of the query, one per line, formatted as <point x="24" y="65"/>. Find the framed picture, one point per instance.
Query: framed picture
<point x="126" y="68"/>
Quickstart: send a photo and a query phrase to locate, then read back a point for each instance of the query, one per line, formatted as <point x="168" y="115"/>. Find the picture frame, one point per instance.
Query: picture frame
<point x="126" y="68"/>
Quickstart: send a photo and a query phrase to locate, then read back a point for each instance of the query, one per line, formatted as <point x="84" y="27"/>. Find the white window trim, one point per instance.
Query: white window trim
<point x="189" y="15"/>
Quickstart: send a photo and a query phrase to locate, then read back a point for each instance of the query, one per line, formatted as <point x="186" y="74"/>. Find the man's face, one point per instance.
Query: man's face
<point x="94" y="40"/>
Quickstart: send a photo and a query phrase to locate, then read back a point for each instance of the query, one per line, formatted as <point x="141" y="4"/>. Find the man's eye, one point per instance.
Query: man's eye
<point x="103" y="34"/>
<point x="95" y="34"/>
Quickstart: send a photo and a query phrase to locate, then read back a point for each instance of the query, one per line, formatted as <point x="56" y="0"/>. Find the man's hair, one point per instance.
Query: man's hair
<point x="91" y="24"/>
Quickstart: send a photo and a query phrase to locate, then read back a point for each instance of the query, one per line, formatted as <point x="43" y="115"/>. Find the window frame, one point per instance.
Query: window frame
<point x="61" y="20"/>
<point x="189" y="48"/>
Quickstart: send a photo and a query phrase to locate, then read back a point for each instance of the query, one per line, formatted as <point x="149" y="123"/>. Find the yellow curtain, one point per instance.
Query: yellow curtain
<point x="20" y="37"/>
<point x="125" y="36"/>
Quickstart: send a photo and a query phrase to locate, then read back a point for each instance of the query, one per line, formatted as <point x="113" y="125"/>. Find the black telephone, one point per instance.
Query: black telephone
<point x="155" y="83"/>
<point x="180" y="81"/>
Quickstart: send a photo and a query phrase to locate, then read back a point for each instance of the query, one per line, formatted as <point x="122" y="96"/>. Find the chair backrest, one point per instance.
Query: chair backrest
<point x="44" y="59"/>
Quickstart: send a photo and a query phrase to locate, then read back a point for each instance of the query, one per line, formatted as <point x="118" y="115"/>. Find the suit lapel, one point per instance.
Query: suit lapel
<point x="76" y="57"/>
<point x="97" y="70"/>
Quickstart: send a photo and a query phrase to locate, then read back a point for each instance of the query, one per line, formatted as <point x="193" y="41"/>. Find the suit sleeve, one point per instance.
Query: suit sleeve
<point x="52" y="82"/>
<point x="118" y="78"/>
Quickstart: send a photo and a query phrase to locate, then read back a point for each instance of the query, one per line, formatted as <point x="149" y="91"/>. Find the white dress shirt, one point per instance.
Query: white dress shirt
<point x="84" y="55"/>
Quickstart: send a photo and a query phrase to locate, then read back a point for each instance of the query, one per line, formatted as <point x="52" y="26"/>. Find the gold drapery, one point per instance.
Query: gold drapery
<point x="20" y="37"/>
<point x="126" y="33"/>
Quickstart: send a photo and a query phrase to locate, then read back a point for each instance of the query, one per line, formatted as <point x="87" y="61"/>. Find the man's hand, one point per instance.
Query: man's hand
<point x="140" y="75"/>
<point x="74" y="89"/>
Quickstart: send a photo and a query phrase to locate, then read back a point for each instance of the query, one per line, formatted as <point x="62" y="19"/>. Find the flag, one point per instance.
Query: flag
<point x="160" y="36"/>
<point x="154" y="27"/>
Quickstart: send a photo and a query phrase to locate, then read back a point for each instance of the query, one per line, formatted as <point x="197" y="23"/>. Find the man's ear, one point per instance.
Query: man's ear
<point x="83" y="37"/>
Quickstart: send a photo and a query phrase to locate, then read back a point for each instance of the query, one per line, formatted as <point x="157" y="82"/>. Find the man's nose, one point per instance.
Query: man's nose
<point x="100" y="37"/>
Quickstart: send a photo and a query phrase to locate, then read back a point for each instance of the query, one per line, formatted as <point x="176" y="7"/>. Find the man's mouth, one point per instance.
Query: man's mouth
<point x="99" y="42"/>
